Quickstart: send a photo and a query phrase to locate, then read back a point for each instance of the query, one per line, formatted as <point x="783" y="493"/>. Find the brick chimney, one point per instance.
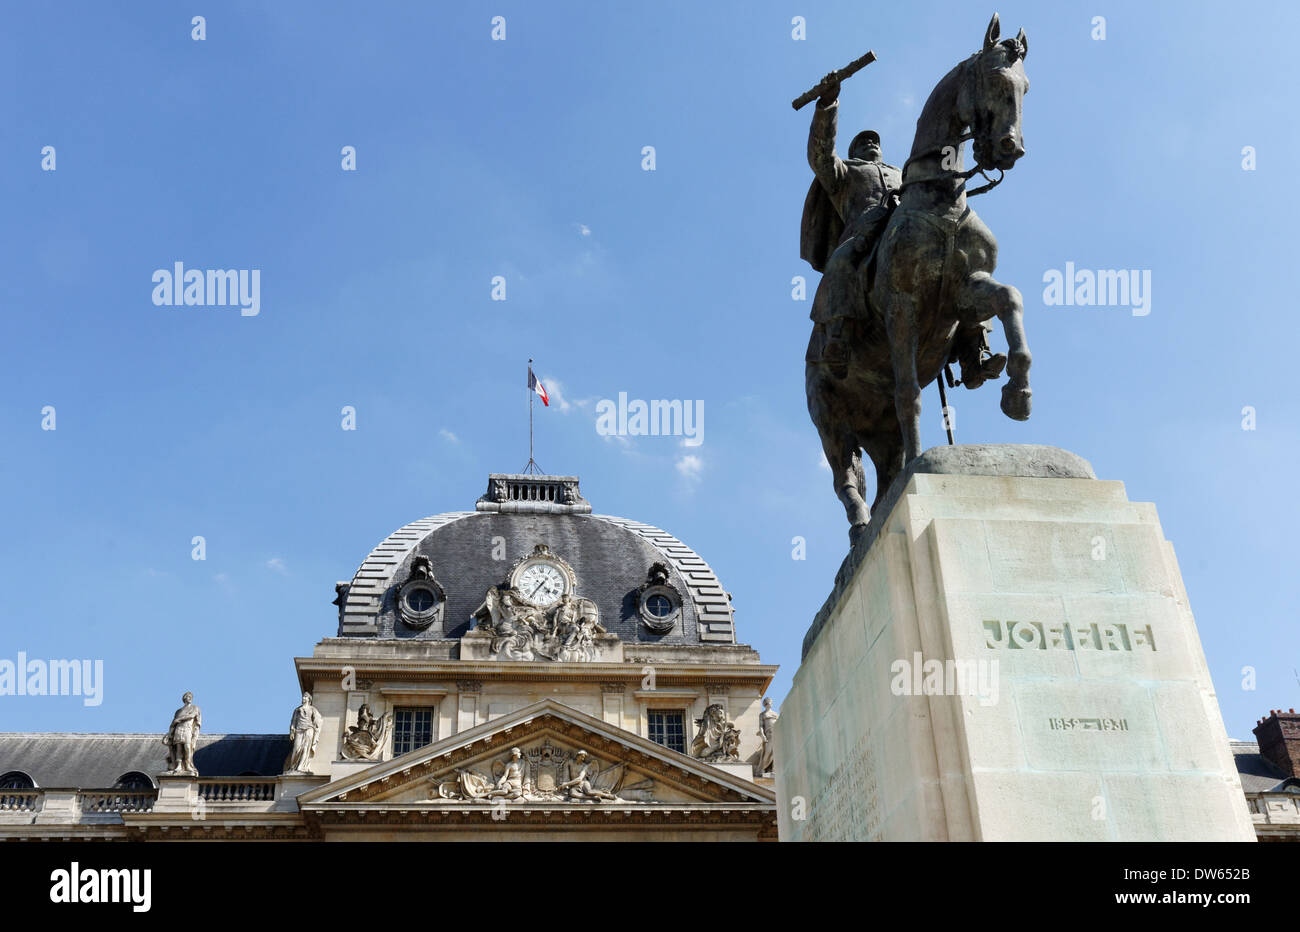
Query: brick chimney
<point x="1279" y="740"/>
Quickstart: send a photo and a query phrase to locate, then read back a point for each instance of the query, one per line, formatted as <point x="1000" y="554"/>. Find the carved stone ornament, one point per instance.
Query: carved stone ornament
<point x="421" y="598"/>
<point x="658" y="601"/>
<point x="545" y="773"/>
<point x="534" y="615"/>
<point x="366" y="739"/>
<point x="718" y="739"/>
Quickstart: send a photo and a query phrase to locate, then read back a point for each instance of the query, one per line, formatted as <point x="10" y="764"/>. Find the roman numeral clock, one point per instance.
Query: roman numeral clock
<point x="536" y="615"/>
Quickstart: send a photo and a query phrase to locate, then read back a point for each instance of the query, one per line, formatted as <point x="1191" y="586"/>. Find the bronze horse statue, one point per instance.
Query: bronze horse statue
<point x="932" y="276"/>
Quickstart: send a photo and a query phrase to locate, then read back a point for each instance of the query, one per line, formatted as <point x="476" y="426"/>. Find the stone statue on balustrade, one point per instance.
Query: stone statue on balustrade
<point x="304" y="733"/>
<point x="766" y="720"/>
<point x="182" y="738"/>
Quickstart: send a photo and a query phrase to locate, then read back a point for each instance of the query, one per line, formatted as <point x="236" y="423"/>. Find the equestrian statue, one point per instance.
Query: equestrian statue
<point x="907" y="286"/>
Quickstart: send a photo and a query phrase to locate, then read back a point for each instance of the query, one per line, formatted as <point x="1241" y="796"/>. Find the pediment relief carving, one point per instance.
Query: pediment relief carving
<point x="558" y="763"/>
<point x="546" y="772"/>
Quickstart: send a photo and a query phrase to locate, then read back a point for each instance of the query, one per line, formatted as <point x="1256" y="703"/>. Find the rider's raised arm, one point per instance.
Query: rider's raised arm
<point x="826" y="165"/>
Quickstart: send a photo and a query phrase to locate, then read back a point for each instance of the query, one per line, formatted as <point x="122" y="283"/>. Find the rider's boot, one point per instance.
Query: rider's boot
<point x="978" y="364"/>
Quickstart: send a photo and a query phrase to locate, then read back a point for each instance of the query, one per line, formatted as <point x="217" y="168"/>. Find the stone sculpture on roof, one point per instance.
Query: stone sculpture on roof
<point x="182" y="736"/>
<point x="718" y="738"/>
<point x="365" y="740"/>
<point x="304" y="732"/>
<point x="766" y="719"/>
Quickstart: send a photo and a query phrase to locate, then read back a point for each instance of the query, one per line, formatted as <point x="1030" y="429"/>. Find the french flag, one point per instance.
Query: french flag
<point x="535" y="385"/>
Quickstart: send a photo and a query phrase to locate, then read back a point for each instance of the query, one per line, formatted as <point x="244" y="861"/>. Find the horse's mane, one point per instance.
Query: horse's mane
<point x="939" y="104"/>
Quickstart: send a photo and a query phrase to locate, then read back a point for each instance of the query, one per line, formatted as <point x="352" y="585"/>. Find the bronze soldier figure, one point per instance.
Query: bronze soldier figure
<point x="847" y="207"/>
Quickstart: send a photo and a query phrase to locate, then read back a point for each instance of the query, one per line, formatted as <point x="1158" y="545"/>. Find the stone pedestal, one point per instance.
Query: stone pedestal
<point x="176" y="794"/>
<point x="59" y="806"/>
<point x="293" y="785"/>
<point x="342" y="769"/>
<point x="1009" y="657"/>
<point x="742" y="769"/>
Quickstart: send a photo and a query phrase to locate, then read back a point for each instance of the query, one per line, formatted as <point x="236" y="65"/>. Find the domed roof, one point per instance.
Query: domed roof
<point x="470" y="552"/>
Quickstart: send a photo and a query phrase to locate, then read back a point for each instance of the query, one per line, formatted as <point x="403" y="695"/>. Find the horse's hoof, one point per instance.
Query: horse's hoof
<point x="855" y="533"/>
<point x="1016" y="402"/>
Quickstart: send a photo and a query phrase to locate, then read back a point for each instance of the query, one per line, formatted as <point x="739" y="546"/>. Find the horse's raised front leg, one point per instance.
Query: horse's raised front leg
<point x="983" y="297"/>
<point x="900" y="322"/>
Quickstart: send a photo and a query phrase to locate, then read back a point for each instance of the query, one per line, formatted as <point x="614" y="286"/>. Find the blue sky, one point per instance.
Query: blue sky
<point x="523" y="158"/>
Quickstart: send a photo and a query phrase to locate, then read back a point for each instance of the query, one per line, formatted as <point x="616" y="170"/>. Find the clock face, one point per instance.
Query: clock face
<point x="541" y="583"/>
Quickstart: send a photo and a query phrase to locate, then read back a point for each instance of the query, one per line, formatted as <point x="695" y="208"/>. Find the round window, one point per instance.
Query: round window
<point x="420" y="600"/>
<point x="660" y="608"/>
<point x="659" y="605"/>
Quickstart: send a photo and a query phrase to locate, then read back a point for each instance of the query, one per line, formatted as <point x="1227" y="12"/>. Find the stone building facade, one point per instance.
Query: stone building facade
<point x="524" y="670"/>
<point x="1270" y="775"/>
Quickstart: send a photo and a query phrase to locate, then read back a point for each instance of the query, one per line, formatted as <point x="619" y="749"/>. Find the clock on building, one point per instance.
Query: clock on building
<point x="542" y="578"/>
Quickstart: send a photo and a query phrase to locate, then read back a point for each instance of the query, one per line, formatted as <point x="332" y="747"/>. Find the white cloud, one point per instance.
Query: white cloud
<point x="555" y="394"/>
<point x="584" y="230"/>
<point x="447" y="435"/>
<point x="275" y="563"/>
<point x="690" y="466"/>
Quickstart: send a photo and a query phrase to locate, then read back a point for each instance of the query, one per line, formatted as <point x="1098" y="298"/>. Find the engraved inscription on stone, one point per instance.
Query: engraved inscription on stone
<point x="846" y="807"/>
<point x="1034" y="635"/>
<point x="1088" y="724"/>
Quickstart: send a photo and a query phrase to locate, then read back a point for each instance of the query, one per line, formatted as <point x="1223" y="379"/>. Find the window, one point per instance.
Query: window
<point x="133" y="780"/>
<point x="412" y="728"/>
<point x="659" y="605"/>
<point x="17" y="780"/>
<point x="668" y="729"/>
<point x="420" y="600"/>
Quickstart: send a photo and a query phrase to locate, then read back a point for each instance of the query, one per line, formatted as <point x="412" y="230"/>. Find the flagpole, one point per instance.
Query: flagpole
<point x="532" y="466"/>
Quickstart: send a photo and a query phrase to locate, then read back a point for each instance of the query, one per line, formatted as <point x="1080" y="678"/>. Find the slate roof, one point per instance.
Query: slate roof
<point x="96" y="761"/>
<point x="611" y="557"/>
<point x="1257" y="774"/>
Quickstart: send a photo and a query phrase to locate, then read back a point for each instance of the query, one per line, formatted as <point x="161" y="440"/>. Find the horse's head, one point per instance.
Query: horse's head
<point x="992" y="99"/>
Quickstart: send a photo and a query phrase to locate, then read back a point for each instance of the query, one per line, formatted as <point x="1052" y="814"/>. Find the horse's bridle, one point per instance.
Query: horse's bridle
<point x="961" y="177"/>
